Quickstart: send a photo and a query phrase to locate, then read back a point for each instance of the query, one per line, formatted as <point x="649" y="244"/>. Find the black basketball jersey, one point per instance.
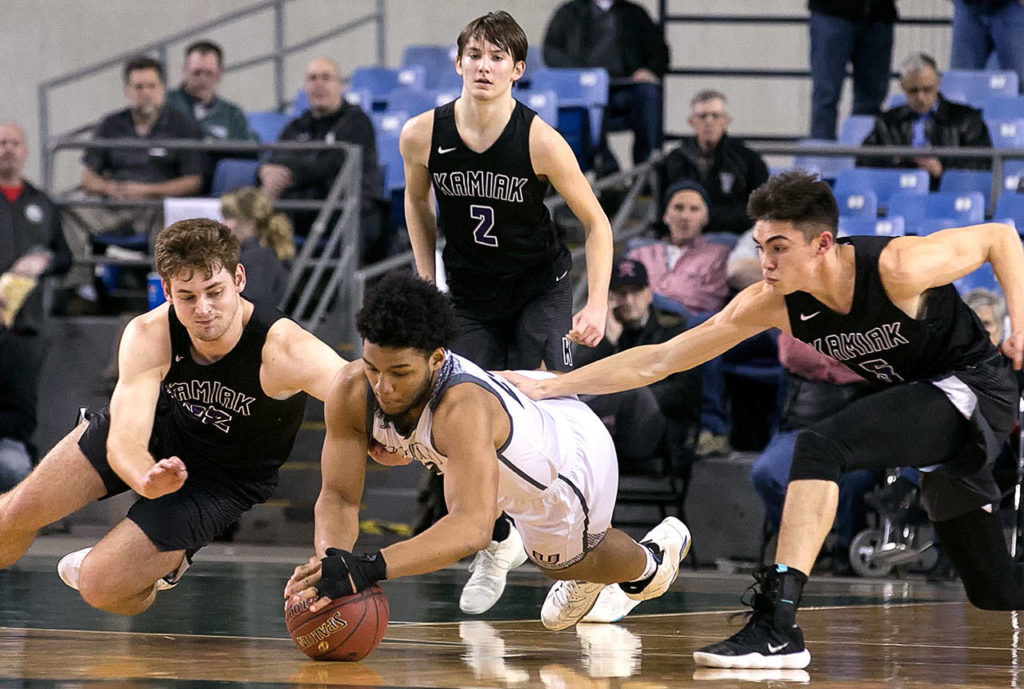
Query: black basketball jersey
<point x="881" y="342"/>
<point x="217" y="417"/>
<point x="501" y="245"/>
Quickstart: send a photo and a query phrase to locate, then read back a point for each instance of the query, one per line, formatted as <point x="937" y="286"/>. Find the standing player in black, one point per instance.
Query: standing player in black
<point x="488" y="160"/>
<point x="885" y="308"/>
<point x="210" y="395"/>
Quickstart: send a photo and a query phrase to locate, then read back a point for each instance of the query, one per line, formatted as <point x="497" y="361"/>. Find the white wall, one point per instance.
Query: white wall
<point x="43" y="39"/>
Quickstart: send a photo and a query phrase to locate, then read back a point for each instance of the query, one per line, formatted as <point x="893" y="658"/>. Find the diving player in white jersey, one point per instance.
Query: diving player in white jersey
<point x="550" y="466"/>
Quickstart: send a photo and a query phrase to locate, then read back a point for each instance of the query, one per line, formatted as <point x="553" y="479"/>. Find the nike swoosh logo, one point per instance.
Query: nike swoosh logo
<point x="776" y="649"/>
<point x="808" y="316"/>
<point x="442" y="151"/>
<point x="178" y="357"/>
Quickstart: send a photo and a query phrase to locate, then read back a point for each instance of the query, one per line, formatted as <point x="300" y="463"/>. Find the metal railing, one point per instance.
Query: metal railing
<point x="330" y="251"/>
<point x="160" y="48"/>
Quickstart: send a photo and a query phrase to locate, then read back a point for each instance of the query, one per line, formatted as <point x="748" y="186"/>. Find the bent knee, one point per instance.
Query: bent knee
<point x="99" y="588"/>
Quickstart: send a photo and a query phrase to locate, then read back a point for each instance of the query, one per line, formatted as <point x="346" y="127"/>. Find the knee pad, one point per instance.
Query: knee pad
<point x="816" y="457"/>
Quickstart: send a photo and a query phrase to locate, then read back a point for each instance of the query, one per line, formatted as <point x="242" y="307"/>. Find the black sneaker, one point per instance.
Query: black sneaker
<point x="761" y="644"/>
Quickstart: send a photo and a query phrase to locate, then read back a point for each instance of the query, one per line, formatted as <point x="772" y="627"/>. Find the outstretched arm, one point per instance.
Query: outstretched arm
<point x="552" y="158"/>
<point x="295" y="360"/>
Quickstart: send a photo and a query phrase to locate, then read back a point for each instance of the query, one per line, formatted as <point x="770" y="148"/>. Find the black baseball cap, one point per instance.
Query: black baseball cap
<point x="628" y="271"/>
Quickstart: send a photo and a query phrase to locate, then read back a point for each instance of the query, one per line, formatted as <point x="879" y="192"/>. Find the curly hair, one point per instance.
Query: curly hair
<point x="799" y="197"/>
<point x="197" y="244"/>
<point x="402" y="310"/>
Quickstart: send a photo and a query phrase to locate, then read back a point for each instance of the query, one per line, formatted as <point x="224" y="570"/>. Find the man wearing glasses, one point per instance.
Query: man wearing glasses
<point x="726" y="168"/>
<point x="927" y="119"/>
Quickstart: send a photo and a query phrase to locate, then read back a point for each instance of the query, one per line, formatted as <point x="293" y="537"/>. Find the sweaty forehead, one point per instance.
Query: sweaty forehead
<point x="766" y="231"/>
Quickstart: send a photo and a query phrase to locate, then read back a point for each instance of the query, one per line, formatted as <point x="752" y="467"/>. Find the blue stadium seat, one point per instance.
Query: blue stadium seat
<point x="1006" y="133"/>
<point x="388" y="127"/>
<point x="827" y="167"/>
<point x="299" y="105"/>
<point x="1003" y="107"/>
<point x="968" y="180"/>
<point x="983" y="277"/>
<point x="961" y="209"/>
<point x="233" y="173"/>
<point x="1013" y="172"/>
<point x="858" y="204"/>
<point x="928" y="225"/>
<point x="545" y="103"/>
<point x="437" y="60"/>
<point x="576" y="88"/>
<point x="855" y="128"/>
<point x="882" y="227"/>
<point x="381" y="82"/>
<point x="1010" y="205"/>
<point x="883" y="182"/>
<point x="361" y="97"/>
<point x="267" y="125"/>
<point x="410" y="101"/>
<point x="974" y="86"/>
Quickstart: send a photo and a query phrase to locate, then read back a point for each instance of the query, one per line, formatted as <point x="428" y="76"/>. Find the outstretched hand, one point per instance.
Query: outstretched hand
<point x="166" y="476"/>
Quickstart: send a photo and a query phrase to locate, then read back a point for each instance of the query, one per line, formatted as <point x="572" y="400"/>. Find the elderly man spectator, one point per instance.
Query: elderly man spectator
<point x="219" y="119"/>
<point x="621" y="37"/>
<point x="33" y="246"/>
<point x="133" y="174"/>
<point x="308" y="175"/>
<point x="658" y="417"/>
<point x="686" y="268"/>
<point x="724" y="166"/>
<point x="857" y="33"/>
<point x="927" y="119"/>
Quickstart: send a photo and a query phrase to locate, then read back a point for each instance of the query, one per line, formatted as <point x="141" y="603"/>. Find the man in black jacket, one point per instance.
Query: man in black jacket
<point x="658" y="417"/>
<point x="31" y="245"/>
<point x="308" y="175"/>
<point x="855" y="32"/>
<point x="727" y="169"/>
<point x="621" y="37"/>
<point x="927" y="119"/>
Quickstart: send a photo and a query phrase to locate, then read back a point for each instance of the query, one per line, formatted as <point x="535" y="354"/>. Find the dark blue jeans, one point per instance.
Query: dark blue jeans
<point x="978" y="33"/>
<point x="635" y="107"/>
<point x="836" y="42"/>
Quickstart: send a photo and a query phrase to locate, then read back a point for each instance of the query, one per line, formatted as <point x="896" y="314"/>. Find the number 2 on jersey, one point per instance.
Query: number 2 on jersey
<point x="484" y="215"/>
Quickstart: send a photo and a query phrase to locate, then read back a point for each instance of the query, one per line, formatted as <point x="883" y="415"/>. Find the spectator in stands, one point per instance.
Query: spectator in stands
<point x="927" y="119"/>
<point x="844" y="32"/>
<point x="983" y="27"/>
<point x="266" y="243"/>
<point x="990" y="308"/>
<point x="651" y="419"/>
<point x="723" y="165"/>
<point x="33" y="246"/>
<point x="197" y="97"/>
<point x="686" y="267"/>
<point x="817" y="387"/>
<point x="132" y="174"/>
<point x="621" y="37"/>
<point x="308" y="175"/>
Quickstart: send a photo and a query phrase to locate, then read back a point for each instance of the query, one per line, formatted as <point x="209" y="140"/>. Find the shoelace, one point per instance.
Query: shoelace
<point x="479" y="560"/>
<point x="754" y="598"/>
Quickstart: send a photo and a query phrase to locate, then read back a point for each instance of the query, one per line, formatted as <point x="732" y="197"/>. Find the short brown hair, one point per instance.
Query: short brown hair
<point x="801" y="198"/>
<point x="206" y="47"/>
<point x="141" y="62"/>
<point x="499" y="28"/>
<point x="193" y="245"/>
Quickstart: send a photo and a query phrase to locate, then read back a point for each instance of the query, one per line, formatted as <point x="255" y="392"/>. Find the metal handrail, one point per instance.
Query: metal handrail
<point x="277" y="56"/>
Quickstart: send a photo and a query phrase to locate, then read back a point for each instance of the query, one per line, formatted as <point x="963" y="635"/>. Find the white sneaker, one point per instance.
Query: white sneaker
<point x="70" y="565"/>
<point x="672" y="536"/>
<point x="489" y="569"/>
<point x="612" y="605"/>
<point x="567" y="602"/>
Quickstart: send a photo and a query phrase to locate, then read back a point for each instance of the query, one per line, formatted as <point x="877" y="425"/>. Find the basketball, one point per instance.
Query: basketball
<point x="347" y="629"/>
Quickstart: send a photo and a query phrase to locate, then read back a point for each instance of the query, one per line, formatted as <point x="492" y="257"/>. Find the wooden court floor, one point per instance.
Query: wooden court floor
<point x="223" y="627"/>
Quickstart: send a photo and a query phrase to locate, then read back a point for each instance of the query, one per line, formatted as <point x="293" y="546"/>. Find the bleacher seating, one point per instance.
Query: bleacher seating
<point x="409" y="101"/>
<point x="1003" y="107"/>
<point x="1010" y="206"/>
<point x="381" y="82"/>
<point x="1013" y="172"/>
<point x="299" y="105"/>
<point x="883" y="227"/>
<point x="974" y="86"/>
<point x="233" y="173"/>
<point x="959" y="208"/>
<point x="438" y="61"/>
<point x="545" y="103"/>
<point x="884" y="182"/>
<point x="1006" y="133"/>
<point x="855" y="128"/>
<point x="582" y="96"/>
<point x="983" y="277"/>
<point x="827" y="167"/>
<point x="361" y="97"/>
<point x="388" y="127"/>
<point x="858" y="204"/>
<point x="968" y="180"/>
<point x="267" y="124"/>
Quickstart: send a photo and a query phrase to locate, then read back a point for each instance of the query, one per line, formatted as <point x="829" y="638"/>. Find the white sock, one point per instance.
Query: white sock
<point x="650" y="567"/>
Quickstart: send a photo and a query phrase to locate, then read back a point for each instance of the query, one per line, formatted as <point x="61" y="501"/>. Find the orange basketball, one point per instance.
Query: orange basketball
<point x="347" y="629"/>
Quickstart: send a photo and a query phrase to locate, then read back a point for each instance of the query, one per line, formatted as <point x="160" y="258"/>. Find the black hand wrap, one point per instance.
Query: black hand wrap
<point x="344" y="574"/>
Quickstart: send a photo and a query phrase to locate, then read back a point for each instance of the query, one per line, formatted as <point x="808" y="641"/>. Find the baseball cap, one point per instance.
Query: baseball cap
<point x="683" y="185"/>
<point x="627" y="271"/>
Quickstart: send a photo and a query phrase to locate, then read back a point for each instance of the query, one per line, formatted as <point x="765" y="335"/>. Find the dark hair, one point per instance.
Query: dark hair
<point x="499" y="28"/>
<point x="402" y="310"/>
<point x="195" y="244"/>
<point x="140" y="62"/>
<point x="205" y="47"/>
<point x="799" y="197"/>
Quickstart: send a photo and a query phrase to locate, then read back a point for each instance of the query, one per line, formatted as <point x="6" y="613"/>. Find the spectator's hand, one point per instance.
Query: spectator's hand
<point x="166" y="476"/>
<point x="114" y="190"/>
<point x="134" y="191"/>
<point x="645" y="75"/>
<point x="588" y="325"/>
<point x="929" y="164"/>
<point x="32" y="264"/>
<point x="1013" y="348"/>
<point x="274" y="179"/>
